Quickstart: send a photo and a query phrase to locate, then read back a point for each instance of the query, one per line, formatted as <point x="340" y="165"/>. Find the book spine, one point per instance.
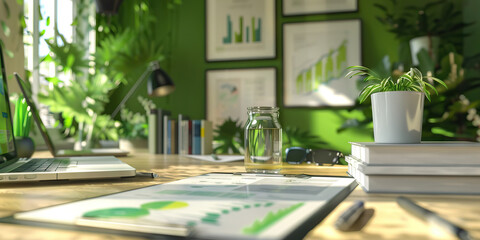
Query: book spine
<point x="202" y="137"/>
<point x="169" y="137"/>
<point x="179" y="134"/>
<point x="152" y="132"/>
<point x="160" y="114"/>
<point x="173" y="143"/>
<point x="190" y="144"/>
<point x="184" y="137"/>
<point x="165" y="134"/>
<point x="207" y="137"/>
<point x="196" y="137"/>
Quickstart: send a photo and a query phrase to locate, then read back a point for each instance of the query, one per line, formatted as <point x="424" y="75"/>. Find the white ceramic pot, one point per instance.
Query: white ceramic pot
<point x="428" y="42"/>
<point x="397" y="116"/>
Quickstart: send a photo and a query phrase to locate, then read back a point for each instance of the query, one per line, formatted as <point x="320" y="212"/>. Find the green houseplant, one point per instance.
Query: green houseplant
<point x="429" y="26"/>
<point x="22" y="119"/>
<point x="397" y="103"/>
<point x="133" y="130"/>
<point x="120" y="57"/>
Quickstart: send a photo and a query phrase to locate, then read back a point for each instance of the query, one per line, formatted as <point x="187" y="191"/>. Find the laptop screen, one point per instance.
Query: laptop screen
<point x="27" y="94"/>
<point x="7" y="145"/>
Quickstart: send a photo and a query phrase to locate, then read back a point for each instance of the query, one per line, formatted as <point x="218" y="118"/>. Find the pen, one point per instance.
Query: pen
<point x="146" y="174"/>
<point x="351" y="215"/>
<point x="431" y="217"/>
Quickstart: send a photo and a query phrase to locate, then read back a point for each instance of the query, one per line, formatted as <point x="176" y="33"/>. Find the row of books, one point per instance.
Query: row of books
<point x="168" y="135"/>
<point x="428" y="167"/>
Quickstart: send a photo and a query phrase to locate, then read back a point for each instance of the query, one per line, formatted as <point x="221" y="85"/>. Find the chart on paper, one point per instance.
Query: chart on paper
<point x="213" y="205"/>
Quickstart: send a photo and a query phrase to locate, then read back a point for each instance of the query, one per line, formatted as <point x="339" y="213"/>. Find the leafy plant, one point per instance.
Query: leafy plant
<point x="294" y="137"/>
<point x="438" y="18"/>
<point x="450" y="116"/>
<point x="83" y="103"/>
<point x="229" y="136"/>
<point x="121" y="54"/>
<point x="413" y="80"/>
<point x="22" y="118"/>
<point x="135" y="125"/>
<point x="6" y="29"/>
<point x="67" y="56"/>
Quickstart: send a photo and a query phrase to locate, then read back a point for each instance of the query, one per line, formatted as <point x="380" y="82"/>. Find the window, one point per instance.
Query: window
<point x="42" y="18"/>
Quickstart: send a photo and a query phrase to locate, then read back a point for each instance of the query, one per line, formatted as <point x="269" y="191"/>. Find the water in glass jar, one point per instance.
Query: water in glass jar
<point x="263" y="153"/>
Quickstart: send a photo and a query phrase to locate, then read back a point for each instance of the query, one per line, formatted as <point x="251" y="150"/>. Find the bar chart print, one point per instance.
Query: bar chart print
<point x="251" y="33"/>
<point x="240" y="29"/>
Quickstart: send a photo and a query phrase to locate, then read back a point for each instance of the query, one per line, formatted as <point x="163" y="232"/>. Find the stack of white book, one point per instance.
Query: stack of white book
<point x="428" y="167"/>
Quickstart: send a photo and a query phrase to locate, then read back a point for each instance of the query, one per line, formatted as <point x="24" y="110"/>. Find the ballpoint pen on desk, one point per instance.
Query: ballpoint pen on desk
<point x="146" y="174"/>
<point x="350" y="216"/>
<point x="215" y="157"/>
<point x="433" y="218"/>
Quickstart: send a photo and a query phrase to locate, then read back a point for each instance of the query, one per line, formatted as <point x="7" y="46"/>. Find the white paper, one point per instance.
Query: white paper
<point x="221" y="158"/>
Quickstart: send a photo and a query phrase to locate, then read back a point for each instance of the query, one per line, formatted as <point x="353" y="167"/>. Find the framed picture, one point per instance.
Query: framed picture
<point x="230" y="91"/>
<point x="316" y="55"/>
<point x="305" y="7"/>
<point x="240" y="30"/>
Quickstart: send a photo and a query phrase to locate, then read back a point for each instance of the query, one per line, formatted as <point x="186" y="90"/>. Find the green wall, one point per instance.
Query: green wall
<point x="186" y="65"/>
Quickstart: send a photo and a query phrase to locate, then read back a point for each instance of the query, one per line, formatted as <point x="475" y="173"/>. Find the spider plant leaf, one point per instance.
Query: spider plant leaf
<point x="365" y="93"/>
<point x="438" y="81"/>
<point x="416" y="88"/>
<point x="427" y="94"/>
<point x="432" y="87"/>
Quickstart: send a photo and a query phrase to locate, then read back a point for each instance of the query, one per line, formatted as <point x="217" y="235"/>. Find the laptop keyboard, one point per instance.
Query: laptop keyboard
<point x="43" y="165"/>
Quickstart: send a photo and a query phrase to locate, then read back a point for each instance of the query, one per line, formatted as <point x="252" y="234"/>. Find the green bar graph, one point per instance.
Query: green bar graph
<point x="239" y="34"/>
<point x="244" y="33"/>
<point x="328" y="67"/>
<point x="228" y="39"/>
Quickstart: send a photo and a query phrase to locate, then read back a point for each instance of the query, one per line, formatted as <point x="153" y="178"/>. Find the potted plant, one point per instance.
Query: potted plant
<point x="133" y="131"/>
<point x="397" y="103"/>
<point x="425" y="26"/>
<point x="22" y="119"/>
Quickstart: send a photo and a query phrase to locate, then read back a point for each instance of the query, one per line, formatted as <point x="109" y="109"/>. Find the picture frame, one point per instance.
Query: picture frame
<point x="239" y="30"/>
<point x="315" y="58"/>
<point x="307" y="7"/>
<point x="230" y="91"/>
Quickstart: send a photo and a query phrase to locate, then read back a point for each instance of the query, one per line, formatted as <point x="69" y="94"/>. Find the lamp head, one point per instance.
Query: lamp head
<point x="159" y="83"/>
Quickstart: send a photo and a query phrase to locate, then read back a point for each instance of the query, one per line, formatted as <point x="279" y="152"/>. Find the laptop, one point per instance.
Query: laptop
<point x="14" y="169"/>
<point x="48" y="141"/>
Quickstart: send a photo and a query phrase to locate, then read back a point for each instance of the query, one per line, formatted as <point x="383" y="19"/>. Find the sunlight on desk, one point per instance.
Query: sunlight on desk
<point x="389" y="221"/>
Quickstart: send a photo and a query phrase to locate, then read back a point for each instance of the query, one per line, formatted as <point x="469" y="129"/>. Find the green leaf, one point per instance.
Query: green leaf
<point x="6" y="29"/>
<point x="40" y="16"/>
<point x="23" y="24"/>
<point x="425" y="61"/>
<point x="9" y="53"/>
<point x="48" y="21"/>
<point x="432" y="87"/>
<point x="42" y="32"/>
<point x="53" y="80"/>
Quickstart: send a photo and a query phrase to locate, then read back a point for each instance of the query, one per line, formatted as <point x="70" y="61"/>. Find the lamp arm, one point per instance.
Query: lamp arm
<point x="132" y="90"/>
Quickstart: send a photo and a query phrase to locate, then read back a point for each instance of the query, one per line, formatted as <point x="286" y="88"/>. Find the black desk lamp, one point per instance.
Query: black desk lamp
<point x="159" y="85"/>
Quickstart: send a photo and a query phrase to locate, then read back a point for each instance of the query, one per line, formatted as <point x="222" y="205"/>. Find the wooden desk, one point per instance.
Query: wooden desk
<point x="388" y="220"/>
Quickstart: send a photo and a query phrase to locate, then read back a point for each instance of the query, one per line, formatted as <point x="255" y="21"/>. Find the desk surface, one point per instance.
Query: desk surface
<point x="382" y="220"/>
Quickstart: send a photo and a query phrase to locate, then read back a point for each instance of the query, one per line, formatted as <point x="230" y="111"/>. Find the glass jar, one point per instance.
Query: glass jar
<point x="263" y="140"/>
